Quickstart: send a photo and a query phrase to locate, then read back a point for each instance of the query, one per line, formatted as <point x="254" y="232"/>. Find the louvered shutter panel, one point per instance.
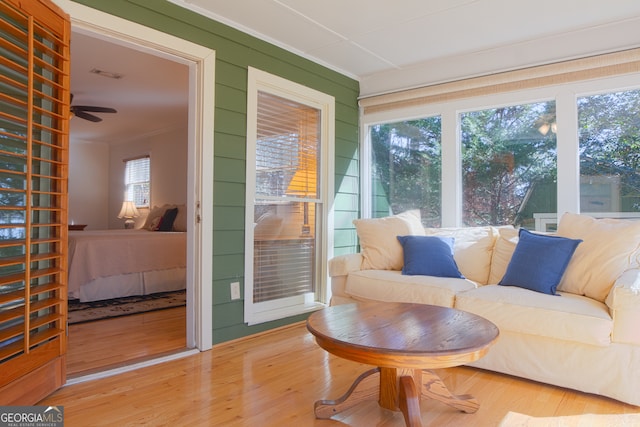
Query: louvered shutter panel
<point x="34" y="114"/>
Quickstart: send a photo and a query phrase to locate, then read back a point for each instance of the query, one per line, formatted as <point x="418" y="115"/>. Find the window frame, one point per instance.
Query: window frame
<point x="565" y="96"/>
<point x="127" y="197"/>
<point x="260" y="81"/>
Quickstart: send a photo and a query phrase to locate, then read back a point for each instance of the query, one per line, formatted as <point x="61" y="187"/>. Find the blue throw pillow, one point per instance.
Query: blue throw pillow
<point x="429" y="256"/>
<point x="539" y="261"/>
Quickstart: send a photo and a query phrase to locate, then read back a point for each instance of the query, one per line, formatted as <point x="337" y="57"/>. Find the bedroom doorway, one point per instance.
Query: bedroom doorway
<point x="200" y="61"/>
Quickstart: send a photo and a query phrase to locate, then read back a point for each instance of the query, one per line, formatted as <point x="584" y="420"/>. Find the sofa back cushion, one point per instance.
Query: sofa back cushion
<point x="379" y="243"/>
<point x="472" y="249"/>
<point x="502" y="251"/>
<point x="609" y="247"/>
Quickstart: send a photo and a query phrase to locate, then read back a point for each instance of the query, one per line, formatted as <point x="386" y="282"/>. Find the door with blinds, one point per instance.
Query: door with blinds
<point x="34" y="121"/>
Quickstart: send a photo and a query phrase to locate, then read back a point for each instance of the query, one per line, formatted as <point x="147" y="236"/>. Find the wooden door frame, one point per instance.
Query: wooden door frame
<point x="201" y="63"/>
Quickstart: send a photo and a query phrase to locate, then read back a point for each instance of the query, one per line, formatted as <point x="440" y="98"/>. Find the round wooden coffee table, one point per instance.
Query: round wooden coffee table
<point x="404" y="341"/>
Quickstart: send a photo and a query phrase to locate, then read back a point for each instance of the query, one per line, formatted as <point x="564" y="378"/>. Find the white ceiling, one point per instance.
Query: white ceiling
<point x="391" y="45"/>
<point x="386" y="45"/>
<point x="152" y="95"/>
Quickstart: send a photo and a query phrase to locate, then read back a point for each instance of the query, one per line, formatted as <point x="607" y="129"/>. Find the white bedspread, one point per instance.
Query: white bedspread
<point x="103" y="253"/>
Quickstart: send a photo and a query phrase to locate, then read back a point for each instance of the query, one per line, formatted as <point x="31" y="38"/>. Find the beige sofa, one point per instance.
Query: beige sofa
<point x="587" y="338"/>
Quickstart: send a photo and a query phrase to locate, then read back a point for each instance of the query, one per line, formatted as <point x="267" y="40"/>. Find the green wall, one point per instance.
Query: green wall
<point x="235" y="51"/>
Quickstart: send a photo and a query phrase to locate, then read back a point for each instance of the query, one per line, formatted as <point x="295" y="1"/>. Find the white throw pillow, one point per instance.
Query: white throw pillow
<point x="472" y="247"/>
<point x="151" y="222"/>
<point x="609" y="247"/>
<point x="379" y="243"/>
<point x="180" y="224"/>
<point x="502" y="252"/>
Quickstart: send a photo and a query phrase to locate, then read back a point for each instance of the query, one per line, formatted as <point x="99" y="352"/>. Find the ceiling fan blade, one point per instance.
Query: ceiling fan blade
<point x="93" y="109"/>
<point x="87" y="116"/>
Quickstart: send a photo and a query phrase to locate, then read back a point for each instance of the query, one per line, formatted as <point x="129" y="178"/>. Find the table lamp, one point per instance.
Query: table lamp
<point x="128" y="212"/>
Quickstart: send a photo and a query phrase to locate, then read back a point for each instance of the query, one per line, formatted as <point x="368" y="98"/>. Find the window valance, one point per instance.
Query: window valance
<point x="594" y="67"/>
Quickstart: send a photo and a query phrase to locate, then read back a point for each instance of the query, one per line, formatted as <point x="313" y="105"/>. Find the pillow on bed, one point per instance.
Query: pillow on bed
<point x="180" y="224"/>
<point x="151" y="222"/>
<point x="154" y="224"/>
<point x="167" y="220"/>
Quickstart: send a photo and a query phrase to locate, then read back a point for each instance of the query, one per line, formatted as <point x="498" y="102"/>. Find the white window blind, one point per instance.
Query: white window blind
<point x="289" y="155"/>
<point x="286" y="199"/>
<point x="136" y="179"/>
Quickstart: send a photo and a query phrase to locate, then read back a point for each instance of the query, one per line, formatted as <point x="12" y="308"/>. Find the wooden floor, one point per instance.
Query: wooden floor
<point x="110" y="343"/>
<point x="274" y="379"/>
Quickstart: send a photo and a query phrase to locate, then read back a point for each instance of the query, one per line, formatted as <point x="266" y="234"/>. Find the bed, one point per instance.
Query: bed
<point x="106" y="264"/>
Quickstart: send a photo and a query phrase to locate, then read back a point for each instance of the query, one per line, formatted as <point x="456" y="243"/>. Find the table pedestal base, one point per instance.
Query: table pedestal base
<point x="398" y="390"/>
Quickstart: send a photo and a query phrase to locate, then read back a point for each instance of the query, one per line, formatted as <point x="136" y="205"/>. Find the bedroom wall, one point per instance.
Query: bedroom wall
<point x="168" y="151"/>
<point x="235" y="52"/>
<point x="88" y="184"/>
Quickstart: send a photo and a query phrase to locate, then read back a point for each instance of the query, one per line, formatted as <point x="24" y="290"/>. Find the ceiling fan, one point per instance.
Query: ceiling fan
<point x="83" y="111"/>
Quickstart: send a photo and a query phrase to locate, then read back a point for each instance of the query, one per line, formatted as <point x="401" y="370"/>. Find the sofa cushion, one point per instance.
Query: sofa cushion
<point x="429" y="256"/>
<point x="392" y="286"/>
<point x="472" y="249"/>
<point x="502" y="252"/>
<point x="609" y="247"/>
<point x="567" y="317"/>
<point x="539" y="262"/>
<point x="379" y="245"/>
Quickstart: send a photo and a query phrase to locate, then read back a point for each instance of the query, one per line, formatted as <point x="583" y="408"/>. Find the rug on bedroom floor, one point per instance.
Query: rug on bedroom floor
<point x="82" y="312"/>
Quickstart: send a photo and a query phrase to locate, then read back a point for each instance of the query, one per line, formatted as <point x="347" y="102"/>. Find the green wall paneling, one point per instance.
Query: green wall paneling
<point x="235" y="51"/>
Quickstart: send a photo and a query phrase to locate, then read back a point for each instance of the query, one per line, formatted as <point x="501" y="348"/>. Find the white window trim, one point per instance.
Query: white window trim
<point x="202" y="64"/>
<point x="565" y="95"/>
<point x="258" y="80"/>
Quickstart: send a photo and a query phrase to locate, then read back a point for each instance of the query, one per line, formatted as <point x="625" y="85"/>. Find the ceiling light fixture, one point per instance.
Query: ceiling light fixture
<point x="108" y="74"/>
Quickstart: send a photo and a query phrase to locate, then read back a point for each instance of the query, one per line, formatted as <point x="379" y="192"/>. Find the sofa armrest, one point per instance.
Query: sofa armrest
<point x="624" y="304"/>
<point x="339" y="269"/>
<point x="342" y="265"/>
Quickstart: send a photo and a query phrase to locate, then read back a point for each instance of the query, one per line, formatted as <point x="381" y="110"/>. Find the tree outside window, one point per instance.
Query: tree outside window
<point x="406" y="169"/>
<point x="609" y="131"/>
<point x="509" y="164"/>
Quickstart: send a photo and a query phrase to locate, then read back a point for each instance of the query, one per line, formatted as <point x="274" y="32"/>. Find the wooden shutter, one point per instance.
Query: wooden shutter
<point x="34" y="122"/>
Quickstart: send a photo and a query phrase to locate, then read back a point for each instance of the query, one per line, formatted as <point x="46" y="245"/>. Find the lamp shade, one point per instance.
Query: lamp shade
<point x="128" y="210"/>
<point x="304" y="181"/>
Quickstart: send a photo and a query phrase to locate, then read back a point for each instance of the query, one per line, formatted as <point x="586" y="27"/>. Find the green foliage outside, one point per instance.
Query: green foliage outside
<point x="609" y="130"/>
<point x="506" y="159"/>
<point x="406" y="168"/>
<point x="509" y="160"/>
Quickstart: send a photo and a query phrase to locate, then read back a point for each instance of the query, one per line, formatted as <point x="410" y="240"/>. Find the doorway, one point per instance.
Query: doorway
<point x="201" y="63"/>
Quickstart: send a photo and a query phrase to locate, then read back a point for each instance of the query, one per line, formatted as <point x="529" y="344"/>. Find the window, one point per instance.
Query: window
<point x="406" y="169"/>
<point x="508" y="164"/>
<point x="136" y="180"/>
<point x="508" y="156"/>
<point x="609" y="132"/>
<point x="289" y="141"/>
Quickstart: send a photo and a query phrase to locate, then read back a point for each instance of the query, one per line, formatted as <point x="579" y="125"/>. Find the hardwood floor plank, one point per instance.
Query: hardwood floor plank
<point x="274" y="379"/>
<point x="113" y="342"/>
